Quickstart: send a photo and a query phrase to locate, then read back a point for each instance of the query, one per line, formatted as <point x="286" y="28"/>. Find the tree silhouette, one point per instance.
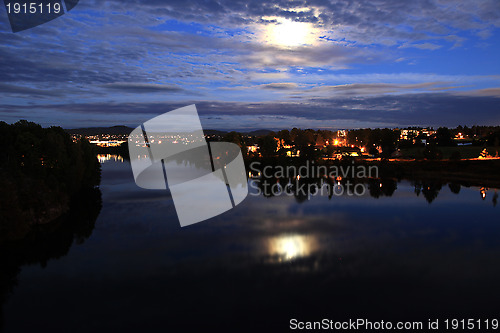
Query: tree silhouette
<point x="268" y="145"/>
<point x="454" y="187"/>
<point x="430" y="190"/>
<point x="41" y="169"/>
<point x="444" y="137"/>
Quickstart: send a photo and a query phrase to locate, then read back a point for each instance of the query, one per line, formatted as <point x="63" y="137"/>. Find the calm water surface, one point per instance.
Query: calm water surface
<point x="265" y="262"/>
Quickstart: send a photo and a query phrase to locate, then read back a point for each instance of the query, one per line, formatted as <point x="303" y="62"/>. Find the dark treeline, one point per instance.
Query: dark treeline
<point x="41" y="170"/>
<point x="379" y="142"/>
<point x="387" y="140"/>
<point x="272" y="143"/>
<point x="305" y="189"/>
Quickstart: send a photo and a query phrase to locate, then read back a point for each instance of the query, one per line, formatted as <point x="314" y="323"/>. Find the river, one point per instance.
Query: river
<point x="396" y="256"/>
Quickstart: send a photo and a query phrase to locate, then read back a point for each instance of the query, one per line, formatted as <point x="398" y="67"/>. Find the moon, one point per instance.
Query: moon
<point x="287" y="33"/>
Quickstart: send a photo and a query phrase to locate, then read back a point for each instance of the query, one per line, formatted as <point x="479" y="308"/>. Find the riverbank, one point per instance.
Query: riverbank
<point x="469" y="172"/>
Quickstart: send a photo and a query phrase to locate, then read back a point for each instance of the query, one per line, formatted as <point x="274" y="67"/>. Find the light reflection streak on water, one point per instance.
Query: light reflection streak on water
<point x="103" y="158"/>
<point x="289" y="247"/>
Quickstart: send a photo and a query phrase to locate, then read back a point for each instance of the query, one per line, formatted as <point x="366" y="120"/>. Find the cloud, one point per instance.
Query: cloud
<point x="494" y="92"/>
<point x="279" y="86"/>
<point x="418" y="109"/>
<point x="22" y="90"/>
<point x="324" y="54"/>
<point x="423" y="46"/>
<point x="485" y="34"/>
<point x="363" y="21"/>
<point x="99" y="59"/>
<point x="368" y="89"/>
<point x="260" y="76"/>
<point x="139" y="88"/>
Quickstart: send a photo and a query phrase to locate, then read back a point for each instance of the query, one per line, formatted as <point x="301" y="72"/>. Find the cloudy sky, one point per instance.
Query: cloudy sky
<point x="248" y="64"/>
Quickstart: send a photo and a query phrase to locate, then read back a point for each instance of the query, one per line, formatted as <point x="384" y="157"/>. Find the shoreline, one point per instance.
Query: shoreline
<point x="468" y="172"/>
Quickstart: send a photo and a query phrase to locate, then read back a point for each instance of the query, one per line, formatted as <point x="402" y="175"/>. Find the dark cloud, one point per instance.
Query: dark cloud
<point x="439" y="109"/>
<point x="280" y="86"/>
<point x="484" y="92"/>
<point x="142" y="87"/>
<point x="21" y="90"/>
<point x="366" y="89"/>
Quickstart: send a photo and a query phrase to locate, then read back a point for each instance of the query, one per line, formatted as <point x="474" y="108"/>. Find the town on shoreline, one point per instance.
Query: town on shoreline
<point x="413" y="143"/>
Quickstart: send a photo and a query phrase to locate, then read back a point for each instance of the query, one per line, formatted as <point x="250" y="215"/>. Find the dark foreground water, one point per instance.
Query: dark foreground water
<point x="395" y="257"/>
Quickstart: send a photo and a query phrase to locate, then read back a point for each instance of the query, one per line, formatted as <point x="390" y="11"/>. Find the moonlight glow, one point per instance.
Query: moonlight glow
<point x="290" y="34"/>
<point x="289" y="247"/>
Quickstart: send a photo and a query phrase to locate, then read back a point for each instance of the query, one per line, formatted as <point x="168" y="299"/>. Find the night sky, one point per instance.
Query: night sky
<point x="250" y="65"/>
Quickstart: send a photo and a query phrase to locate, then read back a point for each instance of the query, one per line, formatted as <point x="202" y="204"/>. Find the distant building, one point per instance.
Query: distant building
<point x="293" y="152"/>
<point x="428" y="132"/>
<point x="341" y="133"/>
<point x="107" y="143"/>
<point x="408" y="134"/>
<point x="253" y="149"/>
<point x="343" y="152"/>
